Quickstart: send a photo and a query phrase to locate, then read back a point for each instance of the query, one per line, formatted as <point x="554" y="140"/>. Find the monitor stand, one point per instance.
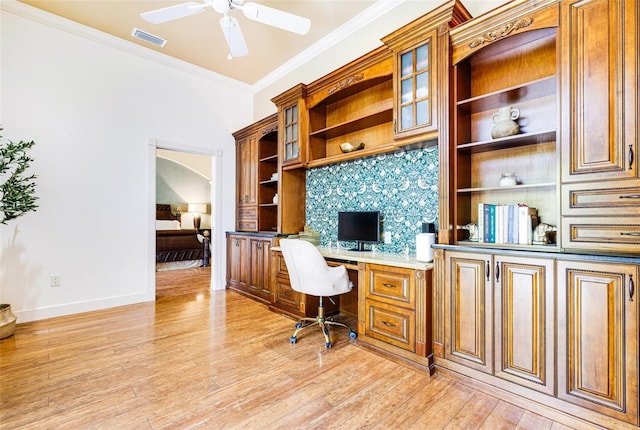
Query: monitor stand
<point x="359" y="247"/>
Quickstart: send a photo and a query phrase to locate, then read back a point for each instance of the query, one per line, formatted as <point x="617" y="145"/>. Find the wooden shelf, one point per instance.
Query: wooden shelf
<point x="371" y="120"/>
<point x="520" y="93"/>
<point x="552" y="247"/>
<point x="506" y="189"/>
<point x="351" y="155"/>
<point x="269" y="159"/>
<point x="269" y="182"/>
<point x="268" y="205"/>
<point x="508" y="142"/>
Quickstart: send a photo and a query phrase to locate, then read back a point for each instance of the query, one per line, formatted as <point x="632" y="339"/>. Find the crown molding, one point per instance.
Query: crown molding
<point x="361" y="20"/>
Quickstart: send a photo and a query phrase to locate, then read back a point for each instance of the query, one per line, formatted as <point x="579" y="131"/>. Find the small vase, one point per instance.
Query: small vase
<point x="505" y="124"/>
<point x="7" y="321"/>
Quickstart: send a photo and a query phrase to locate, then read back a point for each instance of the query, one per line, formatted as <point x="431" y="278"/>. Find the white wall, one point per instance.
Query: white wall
<point x="97" y="110"/>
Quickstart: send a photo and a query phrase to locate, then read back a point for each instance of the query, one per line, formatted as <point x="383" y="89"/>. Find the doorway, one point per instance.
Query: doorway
<point x="197" y="163"/>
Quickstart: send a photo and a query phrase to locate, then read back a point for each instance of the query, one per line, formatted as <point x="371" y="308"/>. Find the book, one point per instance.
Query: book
<point x="480" y="222"/>
<point x="527" y="221"/>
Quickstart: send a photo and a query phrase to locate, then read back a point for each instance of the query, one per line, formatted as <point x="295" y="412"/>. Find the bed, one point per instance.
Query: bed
<point x="174" y="244"/>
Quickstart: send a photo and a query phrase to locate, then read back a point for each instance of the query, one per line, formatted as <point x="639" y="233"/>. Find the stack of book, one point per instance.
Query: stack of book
<point x="506" y="223"/>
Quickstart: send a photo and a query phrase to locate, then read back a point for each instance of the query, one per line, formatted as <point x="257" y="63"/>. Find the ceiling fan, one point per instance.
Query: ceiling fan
<point x="229" y="24"/>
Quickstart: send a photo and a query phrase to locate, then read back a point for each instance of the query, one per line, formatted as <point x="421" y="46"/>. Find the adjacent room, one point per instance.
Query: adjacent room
<point x="380" y="214"/>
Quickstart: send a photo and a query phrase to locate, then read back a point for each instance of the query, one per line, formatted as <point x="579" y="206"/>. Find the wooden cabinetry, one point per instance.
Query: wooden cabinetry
<point x="394" y="311"/>
<point x="500" y="317"/>
<point x="507" y="61"/>
<point x="268" y="178"/>
<point x="248" y="265"/>
<point x="247" y="190"/>
<point x="600" y="198"/>
<point x="256" y="161"/>
<point x="390" y="303"/>
<point x="352" y="105"/>
<point x="292" y="125"/>
<point x="598" y="337"/>
<point x="421" y="58"/>
<point x="237" y="270"/>
<point x="599" y="72"/>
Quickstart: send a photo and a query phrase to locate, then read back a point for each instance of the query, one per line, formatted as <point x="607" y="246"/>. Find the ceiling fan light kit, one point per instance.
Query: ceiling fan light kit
<point x="229" y="24"/>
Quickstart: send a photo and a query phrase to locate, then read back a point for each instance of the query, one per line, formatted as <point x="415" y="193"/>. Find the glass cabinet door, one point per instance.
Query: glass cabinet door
<point x="414" y="107"/>
<point x="291" y="143"/>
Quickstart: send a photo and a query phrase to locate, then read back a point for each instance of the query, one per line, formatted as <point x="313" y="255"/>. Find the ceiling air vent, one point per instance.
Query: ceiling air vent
<point x="148" y="37"/>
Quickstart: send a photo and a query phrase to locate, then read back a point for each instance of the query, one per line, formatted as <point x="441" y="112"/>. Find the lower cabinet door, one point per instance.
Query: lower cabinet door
<point x="598" y="337"/>
<point x="525" y="321"/>
<point x="469" y="310"/>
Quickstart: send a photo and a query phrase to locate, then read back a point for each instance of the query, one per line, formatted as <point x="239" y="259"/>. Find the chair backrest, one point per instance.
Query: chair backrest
<point x="309" y="272"/>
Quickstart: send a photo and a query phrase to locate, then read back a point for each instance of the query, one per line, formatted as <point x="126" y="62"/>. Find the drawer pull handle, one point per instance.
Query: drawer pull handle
<point x="386" y="284"/>
<point x="287" y="293"/>
<point x="388" y="324"/>
<point x="630" y="157"/>
<point x="632" y="196"/>
<point x="632" y="288"/>
<point x="498" y="271"/>
<point x="635" y="234"/>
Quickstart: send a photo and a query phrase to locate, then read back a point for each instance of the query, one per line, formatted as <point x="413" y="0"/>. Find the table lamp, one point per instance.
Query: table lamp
<point x="196" y="209"/>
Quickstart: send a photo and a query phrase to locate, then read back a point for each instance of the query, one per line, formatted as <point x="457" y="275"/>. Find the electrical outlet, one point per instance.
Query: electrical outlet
<point x="387" y="237"/>
<point x="54" y="281"/>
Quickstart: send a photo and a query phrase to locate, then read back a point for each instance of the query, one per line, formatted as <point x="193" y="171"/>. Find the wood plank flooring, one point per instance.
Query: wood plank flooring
<point x="201" y="360"/>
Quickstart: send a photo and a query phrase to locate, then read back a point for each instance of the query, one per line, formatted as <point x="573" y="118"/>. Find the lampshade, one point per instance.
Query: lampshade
<point x="200" y="208"/>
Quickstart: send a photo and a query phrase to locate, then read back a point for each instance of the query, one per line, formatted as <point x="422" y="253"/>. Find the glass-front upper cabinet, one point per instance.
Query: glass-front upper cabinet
<point x="415" y="104"/>
<point x="291" y="143"/>
<point x="291" y="126"/>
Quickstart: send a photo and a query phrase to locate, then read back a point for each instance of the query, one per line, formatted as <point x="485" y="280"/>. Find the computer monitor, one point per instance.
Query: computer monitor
<point x="360" y="227"/>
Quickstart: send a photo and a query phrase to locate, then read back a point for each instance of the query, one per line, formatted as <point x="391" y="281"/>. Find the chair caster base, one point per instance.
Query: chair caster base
<point x="328" y="345"/>
<point x="293" y="339"/>
<point x="353" y="334"/>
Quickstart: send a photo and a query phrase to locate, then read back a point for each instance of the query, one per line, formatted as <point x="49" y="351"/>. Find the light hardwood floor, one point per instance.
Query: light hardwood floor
<point x="213" y="361"/>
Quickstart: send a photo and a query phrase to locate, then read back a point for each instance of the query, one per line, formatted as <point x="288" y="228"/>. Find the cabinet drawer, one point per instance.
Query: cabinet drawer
<point x="391" y="324"/>
<point x="247" y="224"/>
<point x="599" y="233"/>
<point x="280" y="266"/>
<point x="393" y="285"/>
<point x="285" y="295"/>
<point x="248" y="212"/>
<point x="602" y="198"/>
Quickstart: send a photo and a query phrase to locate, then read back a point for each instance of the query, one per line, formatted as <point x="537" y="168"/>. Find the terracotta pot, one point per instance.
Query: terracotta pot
<point x="7" y="321"/>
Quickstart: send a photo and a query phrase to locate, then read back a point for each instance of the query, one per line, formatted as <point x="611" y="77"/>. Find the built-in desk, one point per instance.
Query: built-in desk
<point x="392" y="301"/>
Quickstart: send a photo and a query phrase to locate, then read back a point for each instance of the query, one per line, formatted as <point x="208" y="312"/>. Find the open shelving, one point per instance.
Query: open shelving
<point x="520" y="72"/>
<point x="267" y="182"/>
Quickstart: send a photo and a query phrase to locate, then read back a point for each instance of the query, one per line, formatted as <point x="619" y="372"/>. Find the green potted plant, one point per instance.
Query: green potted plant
<point x="17" y="197"/>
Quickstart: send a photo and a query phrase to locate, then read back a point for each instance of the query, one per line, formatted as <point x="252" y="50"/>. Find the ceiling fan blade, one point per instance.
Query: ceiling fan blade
<point x="170" y="13"/>
<point x="275" y="17"/>
<point x="233" y="34"/>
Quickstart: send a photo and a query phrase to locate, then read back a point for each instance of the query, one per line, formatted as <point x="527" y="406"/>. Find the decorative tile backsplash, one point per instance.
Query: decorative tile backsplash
<point x="402" y="185"/>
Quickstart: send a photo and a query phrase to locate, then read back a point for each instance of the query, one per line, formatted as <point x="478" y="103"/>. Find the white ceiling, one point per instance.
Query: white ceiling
<point x="198" y="39"/>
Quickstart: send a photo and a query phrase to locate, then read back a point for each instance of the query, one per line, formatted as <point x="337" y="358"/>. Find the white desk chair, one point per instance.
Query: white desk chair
<point x="310" y="274"/>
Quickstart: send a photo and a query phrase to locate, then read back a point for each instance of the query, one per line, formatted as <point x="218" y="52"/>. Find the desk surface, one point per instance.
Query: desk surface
<point x="397" y="260"/>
